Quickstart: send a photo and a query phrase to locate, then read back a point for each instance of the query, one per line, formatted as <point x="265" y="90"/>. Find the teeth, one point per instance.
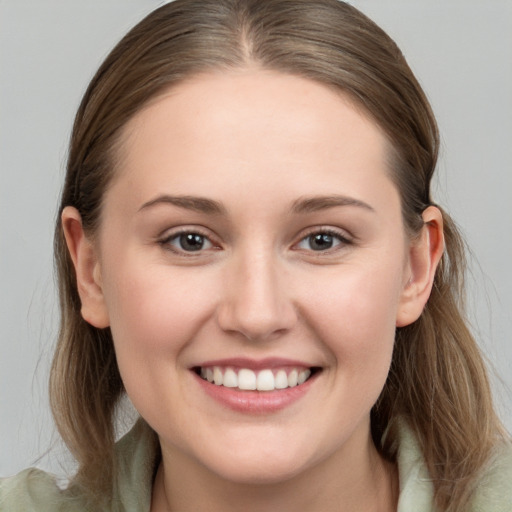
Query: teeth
<point x="281" y="380"/>
<point x="230" y="379"/>
<point x="303" y="376"/>
<point x="217" y="376"/>
<point x="293" y="378"/>
<point x="246" y="379"/>
<point x="265" y="381"/>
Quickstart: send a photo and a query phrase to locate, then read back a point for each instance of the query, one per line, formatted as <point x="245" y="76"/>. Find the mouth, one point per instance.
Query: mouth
<point x="265" y="379"/>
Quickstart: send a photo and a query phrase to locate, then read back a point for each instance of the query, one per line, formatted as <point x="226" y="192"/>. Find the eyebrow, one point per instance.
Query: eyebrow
<point x="300" y="206"/>
<point x="318" y="203"/>
<point x="198" y="204"/>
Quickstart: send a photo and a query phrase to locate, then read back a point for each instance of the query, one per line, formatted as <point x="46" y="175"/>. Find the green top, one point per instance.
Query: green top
<point x="33" y="490"/>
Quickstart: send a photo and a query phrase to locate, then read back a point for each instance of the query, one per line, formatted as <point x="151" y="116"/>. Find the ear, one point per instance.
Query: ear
<point x="87" y="269"/>
<point x="424" y="256"/>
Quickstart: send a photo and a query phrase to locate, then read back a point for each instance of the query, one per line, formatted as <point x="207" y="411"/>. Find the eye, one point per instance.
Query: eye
<point x="187" y="241"/>
<point x="322" y="241"/>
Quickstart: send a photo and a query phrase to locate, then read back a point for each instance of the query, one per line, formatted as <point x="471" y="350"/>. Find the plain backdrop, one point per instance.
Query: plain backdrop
<point x="461" y="51"/>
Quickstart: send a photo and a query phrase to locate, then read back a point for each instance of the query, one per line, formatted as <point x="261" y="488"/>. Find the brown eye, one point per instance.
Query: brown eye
<point x="188" y="242"/>
<point x="322" y="241"/>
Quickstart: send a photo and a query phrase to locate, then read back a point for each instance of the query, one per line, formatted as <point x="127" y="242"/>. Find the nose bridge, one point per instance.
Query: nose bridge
<point x="256" y="301"/>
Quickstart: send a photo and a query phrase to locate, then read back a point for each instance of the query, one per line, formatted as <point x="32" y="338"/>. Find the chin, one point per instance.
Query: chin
<point x="259" y="474"/>
<point x="262" y="468"/>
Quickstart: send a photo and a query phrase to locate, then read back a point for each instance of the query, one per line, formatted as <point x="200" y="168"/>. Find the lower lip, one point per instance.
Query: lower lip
<point x="255" y="402"/>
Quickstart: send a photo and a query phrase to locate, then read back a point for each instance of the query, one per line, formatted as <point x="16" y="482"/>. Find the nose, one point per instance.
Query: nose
<point x="256" y="301"/>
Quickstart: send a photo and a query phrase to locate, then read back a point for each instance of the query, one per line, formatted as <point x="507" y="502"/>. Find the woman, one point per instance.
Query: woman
<point x="248" y="247"/>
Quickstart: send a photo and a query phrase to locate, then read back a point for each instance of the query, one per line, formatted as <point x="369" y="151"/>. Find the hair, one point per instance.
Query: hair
<point x="437" y="382"/>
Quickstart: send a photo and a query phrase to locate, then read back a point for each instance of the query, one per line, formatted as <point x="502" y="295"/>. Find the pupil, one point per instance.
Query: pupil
<point x="191" y="242"/>
<point x="321" y="241"/>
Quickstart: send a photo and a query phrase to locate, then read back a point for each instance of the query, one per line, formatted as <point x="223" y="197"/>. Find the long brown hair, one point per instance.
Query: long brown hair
<point x="437" y="382"/>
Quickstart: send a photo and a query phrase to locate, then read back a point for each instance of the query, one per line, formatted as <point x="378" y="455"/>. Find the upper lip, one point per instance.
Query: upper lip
<point x="254" y="364"/>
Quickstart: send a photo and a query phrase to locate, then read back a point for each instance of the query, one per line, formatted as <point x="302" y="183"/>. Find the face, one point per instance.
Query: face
<point x="252" y="238"/>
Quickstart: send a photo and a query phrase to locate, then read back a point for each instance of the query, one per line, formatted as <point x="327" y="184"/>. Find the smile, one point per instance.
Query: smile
<point x="256" y="387"/>
<point x="246" y="379"/>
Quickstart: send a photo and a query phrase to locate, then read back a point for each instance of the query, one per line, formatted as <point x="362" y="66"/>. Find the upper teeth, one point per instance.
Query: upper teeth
<point x="245" y="379"/>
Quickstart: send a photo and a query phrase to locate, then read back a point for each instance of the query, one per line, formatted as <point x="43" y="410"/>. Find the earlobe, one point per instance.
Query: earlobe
<point x="87" y="269"/>
<point x="424" y="257"/>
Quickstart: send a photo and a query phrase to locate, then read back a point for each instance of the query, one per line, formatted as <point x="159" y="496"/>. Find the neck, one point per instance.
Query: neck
<point x="366" y="484"/>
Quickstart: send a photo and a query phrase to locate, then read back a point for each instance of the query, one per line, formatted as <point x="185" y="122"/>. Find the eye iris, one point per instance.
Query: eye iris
<point x="321" y="241"/>
<point x="191" y="241"/>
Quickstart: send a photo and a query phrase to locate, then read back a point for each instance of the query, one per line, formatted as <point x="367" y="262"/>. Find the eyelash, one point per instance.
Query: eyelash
<point x="167" y="245"/>
<point x="342" y="239"/>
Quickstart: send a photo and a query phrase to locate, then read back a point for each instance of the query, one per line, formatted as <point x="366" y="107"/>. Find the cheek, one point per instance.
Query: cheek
<point x="154" y="314"/>
<point x="358" y="296"/>
<point x="356" y="316"/>
<point x="146" y="298"/>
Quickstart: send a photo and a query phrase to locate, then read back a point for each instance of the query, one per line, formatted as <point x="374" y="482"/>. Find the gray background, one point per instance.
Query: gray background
<point x="461" y="51"/>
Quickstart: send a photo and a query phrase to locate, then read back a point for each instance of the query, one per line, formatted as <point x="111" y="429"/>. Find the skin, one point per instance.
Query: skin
<point x="257" y="143"/>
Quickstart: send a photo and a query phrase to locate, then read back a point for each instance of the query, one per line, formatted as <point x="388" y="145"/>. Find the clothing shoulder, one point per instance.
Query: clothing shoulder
<point x="33" y="490"/>
<point x="494" y="492"/>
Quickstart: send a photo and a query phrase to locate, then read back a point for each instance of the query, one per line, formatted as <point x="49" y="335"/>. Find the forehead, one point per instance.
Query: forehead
<point x="275" y="128"/>
<point x="262" y="99"/>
